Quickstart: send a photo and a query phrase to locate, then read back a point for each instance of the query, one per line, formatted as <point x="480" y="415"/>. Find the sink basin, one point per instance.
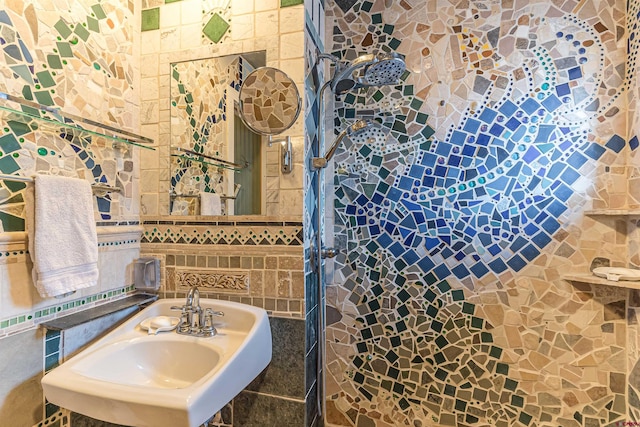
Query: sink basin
<point x="134" y="378"/>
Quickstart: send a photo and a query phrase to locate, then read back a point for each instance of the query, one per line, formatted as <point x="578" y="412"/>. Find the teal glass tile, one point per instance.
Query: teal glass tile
<point x="52" y="345"/>
<point x="444" y="286"/>
<point x="8" y="143"/>
<point x="150" y="19"/>
<point x="51" y="361"/>
<point x="63" y="29"/>
<point x="8" y="165"/>
<point x="216" y="28"/>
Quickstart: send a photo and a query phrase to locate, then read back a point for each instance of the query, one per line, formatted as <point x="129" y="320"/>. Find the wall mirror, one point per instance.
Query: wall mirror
<point x="269" y="101"/>
<point x="217" y="162"/>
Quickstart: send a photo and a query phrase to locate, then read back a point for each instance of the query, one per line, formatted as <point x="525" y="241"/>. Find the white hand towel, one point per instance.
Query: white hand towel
<point x="63" y="242"/>
<point x="210" y="204"/>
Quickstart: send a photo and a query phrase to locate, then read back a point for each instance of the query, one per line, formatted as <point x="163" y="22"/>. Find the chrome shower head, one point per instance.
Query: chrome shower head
<point x="358" y="131"/>
<point x="368" y="70"/>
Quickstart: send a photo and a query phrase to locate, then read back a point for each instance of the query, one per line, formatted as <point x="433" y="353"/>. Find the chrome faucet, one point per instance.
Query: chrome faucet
<point x="194" y="320"/>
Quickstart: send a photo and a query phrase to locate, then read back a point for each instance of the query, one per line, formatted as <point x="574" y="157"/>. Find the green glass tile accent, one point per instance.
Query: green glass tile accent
<point x="287" y="3"/>
<point x="486" y="337"/>
<point x="428" y="131"/>
<point x="502" y="368"/>
<point x="171" y="1"/>
<point x="416" y="104"/>
<point x="93" y="24"/>
<point x="378" y="96"/>
<point x="9" y="143"/>
<point x="26" y="93"/>
<point x="441" y="374"/>
<point x="495" y="352"/>
<point x="468" y="308"/>
<point x="476" y="322"/>
<point x="54" y="62"/>
<point x="215" y="28"/>
<point x="98" y="11"/>
<point x="63" y="28"/>
<point x="24" y="72"/>
<point x="394" y="44"/>
<point x="15" y="186"/>
<point x="45" y="78"/>
<point x="44" y="98"/>
<point x="150" y="19"/>
<point x="444" y="286"/>
<point x="4" y="324"/>
<point x="441" y="341"/>
<point x="11" y="223"/>
<point x="517" y="401"/>
<point x="458" y="295"/>
<point x="525" y="418"/>
<point x="82" y="32"/>
<point x="510" y="384"/>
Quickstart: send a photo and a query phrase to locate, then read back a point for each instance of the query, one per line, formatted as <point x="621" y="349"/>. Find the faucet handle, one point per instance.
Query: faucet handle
<point x="184" y="325"/>
<point x="208" y="330"/>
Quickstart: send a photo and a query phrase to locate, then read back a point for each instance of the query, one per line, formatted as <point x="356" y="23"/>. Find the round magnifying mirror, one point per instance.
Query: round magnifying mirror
<point x="269" y="101"/>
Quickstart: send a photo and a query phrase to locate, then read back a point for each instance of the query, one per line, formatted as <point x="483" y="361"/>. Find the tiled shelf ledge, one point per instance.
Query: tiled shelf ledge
<point x="590" y="278"/>
<point x="80" y="317"/>
<point x="613" y="212"/>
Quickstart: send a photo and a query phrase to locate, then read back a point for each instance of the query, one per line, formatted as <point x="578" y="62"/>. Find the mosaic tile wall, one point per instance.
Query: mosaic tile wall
<point x="199" y="124"/>
<point x="457" y="222"/>
<point x="80" y="60"/>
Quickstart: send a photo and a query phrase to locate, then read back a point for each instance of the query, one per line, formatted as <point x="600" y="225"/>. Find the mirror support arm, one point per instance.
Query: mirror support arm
<point x="286" y="152"/>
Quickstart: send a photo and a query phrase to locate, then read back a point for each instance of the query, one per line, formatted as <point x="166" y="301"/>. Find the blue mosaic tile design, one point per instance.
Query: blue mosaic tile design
<point x="432" y="214"/>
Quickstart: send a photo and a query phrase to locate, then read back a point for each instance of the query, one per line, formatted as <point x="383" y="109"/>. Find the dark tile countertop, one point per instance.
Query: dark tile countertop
<point x="84" y="316"/>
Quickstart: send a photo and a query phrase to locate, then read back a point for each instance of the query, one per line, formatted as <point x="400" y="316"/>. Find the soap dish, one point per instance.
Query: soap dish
<point x="616" y="274"/>
<point x="156" y="324"/>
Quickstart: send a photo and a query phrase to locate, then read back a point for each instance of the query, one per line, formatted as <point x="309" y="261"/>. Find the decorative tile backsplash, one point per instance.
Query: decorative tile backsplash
<point x="233" y="233"/>
<point x="458" y="221"/>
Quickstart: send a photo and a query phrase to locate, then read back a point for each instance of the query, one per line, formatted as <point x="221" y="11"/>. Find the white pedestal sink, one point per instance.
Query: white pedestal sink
<point x="132" y="378"/>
